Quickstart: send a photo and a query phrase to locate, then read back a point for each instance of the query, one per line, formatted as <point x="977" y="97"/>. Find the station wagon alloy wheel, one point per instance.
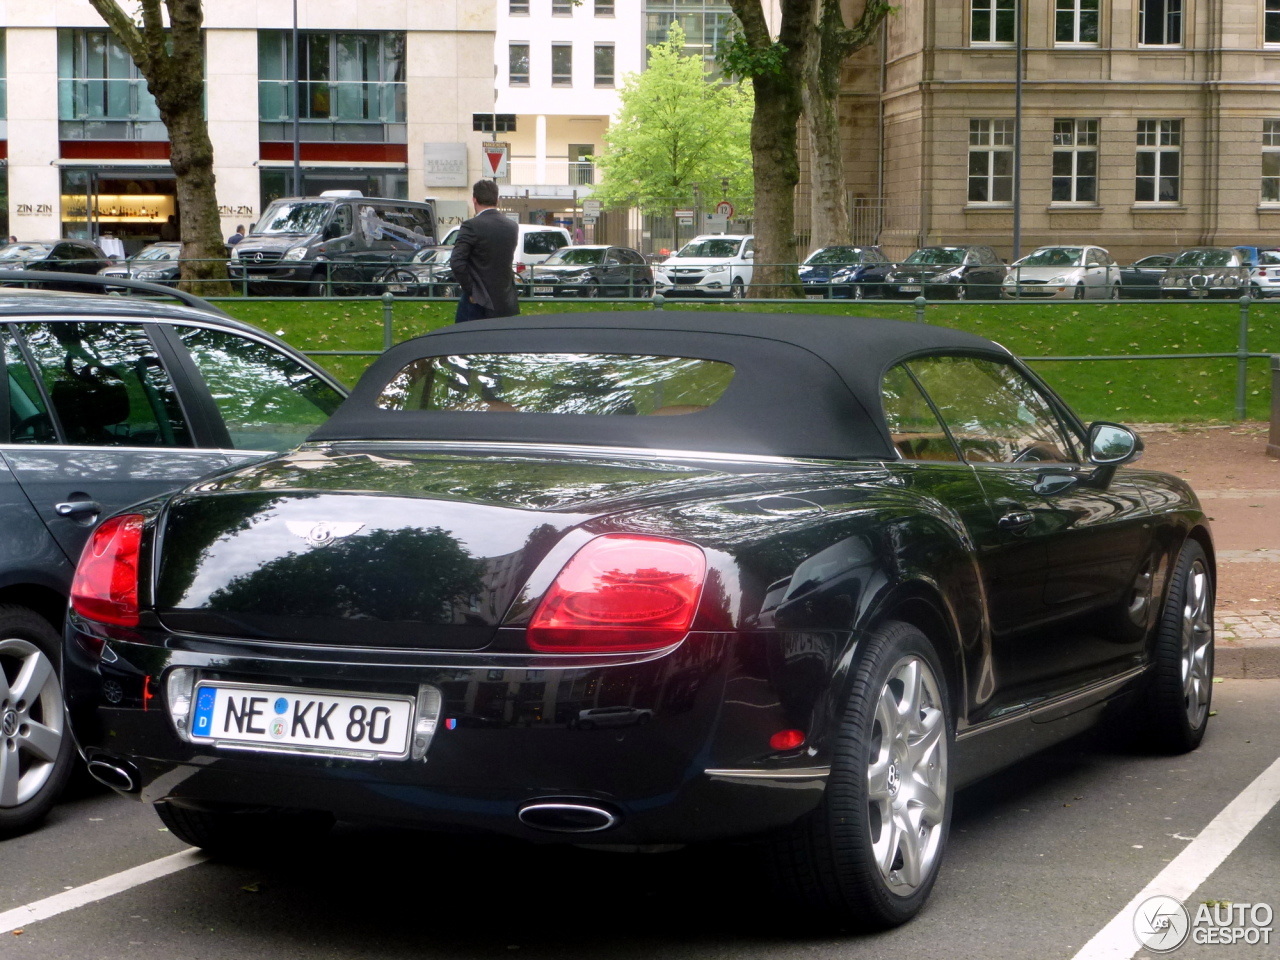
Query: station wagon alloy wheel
<point x="907" y="776"/>
<point x="35" y="751"/>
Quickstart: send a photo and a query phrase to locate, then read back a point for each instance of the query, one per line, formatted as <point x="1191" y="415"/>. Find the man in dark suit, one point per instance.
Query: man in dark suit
<point x="482" y="259"/>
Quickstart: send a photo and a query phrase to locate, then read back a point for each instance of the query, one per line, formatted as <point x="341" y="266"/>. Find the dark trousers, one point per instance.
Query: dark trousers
<point x="473" y="311"/>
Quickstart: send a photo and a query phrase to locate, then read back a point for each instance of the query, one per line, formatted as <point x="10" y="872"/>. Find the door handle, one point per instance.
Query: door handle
<point x="1016" y="520"/>
<point x="75" y="507"/>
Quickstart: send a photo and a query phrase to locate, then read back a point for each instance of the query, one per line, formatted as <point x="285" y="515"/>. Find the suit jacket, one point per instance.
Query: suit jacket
<point x="481" y="261"/>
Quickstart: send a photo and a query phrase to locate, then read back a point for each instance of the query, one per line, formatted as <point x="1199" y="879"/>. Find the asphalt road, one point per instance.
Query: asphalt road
<point x="1041" y="859"/>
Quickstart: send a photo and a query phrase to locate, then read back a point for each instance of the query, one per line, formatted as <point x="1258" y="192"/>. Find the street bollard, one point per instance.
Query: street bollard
<point x="1242" y="358"/>
<point x="1273" y="441"/>
<point x="920" y="301"/>
<point x="658" y="301"/>
<point x="388" y="311"/>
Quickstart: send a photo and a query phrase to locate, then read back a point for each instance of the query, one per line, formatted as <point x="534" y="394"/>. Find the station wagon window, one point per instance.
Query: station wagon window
<point x="566" y="383"/>
<point x="267" y="400"/>
<point x="913" y="426"/>
<point x="29" y="420"/>
<point x="992" y="411"/>
<point x="107" y="385"/>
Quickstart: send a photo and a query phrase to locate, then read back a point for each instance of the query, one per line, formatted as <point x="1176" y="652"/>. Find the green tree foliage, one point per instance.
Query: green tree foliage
<point x="677" y="128"/>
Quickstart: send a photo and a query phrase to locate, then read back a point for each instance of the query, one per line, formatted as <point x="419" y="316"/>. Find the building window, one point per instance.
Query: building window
<point x="581" y="168"/>
<point x="705" y="24"/>
<point x="562" y="8"/>
<point x="604" y="64"/>
<point x="1159" y="162"/>
<point x="990" y="161"/>
<point x="485" y="122"/>
<point x="1076" y="21"/>
<point x="1271" y="28"/>
<point x="1160" y="22"/>
<point x="562" y="64"/>
<point x="101" y="94"/>
<point x="604" y="8"/>
<point x="1271" y="161"/>
<point x="1075" y="161"/>
<point x="518" y="61"/>
<point x="992" y="21"/>
<point x="351" y="86"/>
<point x="518" y="8"/>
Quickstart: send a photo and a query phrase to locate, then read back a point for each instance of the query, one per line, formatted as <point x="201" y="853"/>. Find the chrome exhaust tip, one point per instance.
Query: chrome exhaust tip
<point x="113" y="775"/>
<point x="567" y="816"/>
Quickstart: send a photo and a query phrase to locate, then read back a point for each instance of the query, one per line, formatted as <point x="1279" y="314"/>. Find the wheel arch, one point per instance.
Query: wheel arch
<point x="49" y="603"/>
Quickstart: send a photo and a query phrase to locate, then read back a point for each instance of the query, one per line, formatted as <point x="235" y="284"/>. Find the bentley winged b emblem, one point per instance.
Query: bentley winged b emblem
<point x="323" y="533"/>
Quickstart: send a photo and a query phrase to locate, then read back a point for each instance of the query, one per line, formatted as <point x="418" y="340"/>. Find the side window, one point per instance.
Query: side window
<point x="913" y="426"/>
<point x="340" y="225"/>
<point x="29" y="420"/>
<point x="267" y="400"/>
<point x="994" y="413"/>
<point x="543" y="241"/>
<point x="107" y="385"/>
<point x="61" y="251"/>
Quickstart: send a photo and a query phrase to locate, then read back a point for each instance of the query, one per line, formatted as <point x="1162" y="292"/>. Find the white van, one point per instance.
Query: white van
<point x="536" y="243"/>
<point x="714" y="263"/>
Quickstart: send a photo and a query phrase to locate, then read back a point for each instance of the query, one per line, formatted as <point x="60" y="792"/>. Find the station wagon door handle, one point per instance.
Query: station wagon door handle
<point x="1017" y="520"/>
<point x="75" y="508"/>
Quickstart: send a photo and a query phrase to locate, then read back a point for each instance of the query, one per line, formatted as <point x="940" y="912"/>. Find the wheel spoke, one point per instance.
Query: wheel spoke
<point x="35" y="673"/>
<point x="8" y="776"/>
<point x="40" y="741"/>
<point x="931" y="805"/>
<point x="890" y="840"/>
<point x="910" y="845"/>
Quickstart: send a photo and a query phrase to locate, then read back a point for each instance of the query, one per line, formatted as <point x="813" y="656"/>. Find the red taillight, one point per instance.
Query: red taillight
<point x="106" y="583"/>
<point x="621" y="592"/>
<point x="520" y="267"/>
<point x="786" y="740"/>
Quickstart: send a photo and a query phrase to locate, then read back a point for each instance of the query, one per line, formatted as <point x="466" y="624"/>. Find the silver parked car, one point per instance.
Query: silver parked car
<point x="1064" y="273"/>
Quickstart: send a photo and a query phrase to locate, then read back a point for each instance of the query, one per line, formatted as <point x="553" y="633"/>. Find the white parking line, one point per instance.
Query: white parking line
<point x="1184" y="874"/>
<point x="19" y="917"/>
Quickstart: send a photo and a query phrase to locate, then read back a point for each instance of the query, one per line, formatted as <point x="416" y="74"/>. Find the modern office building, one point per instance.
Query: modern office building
<point x="1147" y="125"/>
<point x="389" y="92"/>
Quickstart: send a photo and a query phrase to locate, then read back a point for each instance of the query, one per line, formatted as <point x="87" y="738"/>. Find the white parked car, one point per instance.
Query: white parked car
<point x="1064" y="273"/>
<point x="715" y="264"/>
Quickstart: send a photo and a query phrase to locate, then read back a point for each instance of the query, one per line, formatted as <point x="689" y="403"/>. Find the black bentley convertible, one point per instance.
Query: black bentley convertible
<point x="815" y="573"/>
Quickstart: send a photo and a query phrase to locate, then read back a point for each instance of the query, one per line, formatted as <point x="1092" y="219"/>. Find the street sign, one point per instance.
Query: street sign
<point x="586" y="219"/>
<point x="591" y="208"/>
<point x="725" y="209"/>
<point x="494" y="159"/>
<point x="714" y="223"/>
<point x="685" y="212"/>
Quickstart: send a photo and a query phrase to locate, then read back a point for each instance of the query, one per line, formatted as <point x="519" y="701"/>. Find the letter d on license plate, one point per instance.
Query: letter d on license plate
<point x="289" y="720"/>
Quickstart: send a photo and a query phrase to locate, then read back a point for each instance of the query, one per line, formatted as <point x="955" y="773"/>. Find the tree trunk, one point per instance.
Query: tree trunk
<point x="172" y="61"/>
<point x="828" y="203"/>
<point x="777" y="171"/>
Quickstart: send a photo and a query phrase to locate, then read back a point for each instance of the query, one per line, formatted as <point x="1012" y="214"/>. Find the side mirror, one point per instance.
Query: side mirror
<point x="749" y="255"/>
<point x="1110" y="446"/>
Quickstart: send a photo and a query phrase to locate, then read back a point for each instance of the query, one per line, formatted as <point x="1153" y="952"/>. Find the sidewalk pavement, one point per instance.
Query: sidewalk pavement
<point x="1247" y="645"/>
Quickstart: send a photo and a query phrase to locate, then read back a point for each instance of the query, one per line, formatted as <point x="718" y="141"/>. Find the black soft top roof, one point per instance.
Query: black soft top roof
<point x="803" y="386"/>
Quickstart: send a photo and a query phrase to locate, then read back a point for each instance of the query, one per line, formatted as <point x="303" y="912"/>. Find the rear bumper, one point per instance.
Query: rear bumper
<point x="695" y="766"/>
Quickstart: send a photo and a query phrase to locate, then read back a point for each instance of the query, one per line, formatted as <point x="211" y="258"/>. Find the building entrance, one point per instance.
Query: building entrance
<point x="138" y="205"/>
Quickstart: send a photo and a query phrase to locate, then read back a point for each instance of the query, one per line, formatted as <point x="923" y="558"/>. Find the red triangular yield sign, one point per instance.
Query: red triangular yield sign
<point x="495" y="159"/>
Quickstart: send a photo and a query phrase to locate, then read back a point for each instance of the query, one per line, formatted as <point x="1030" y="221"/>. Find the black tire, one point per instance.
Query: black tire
<point x="1078" y="293"/>
<point x="1115" y="291"/>
<point x="837" y="862"/>
<point x="859" y="292"/>
<point x="592" y="289"/>
<point x="961" y="291"/>
<point x="318" y="287"/>
<point x="1181" y="687"/>
<point x="737" y="289"/>
<point x="1255" y="291"/>
<point x="33" y="727"/>
<point x="229" y="833"/>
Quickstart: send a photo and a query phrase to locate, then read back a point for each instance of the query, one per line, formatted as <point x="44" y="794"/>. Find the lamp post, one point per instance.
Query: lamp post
<point x="1019" y="46"/>
<point x="297" y="146"/>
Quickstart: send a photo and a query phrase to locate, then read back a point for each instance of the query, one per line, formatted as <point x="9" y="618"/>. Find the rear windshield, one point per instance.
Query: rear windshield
<point x="21" y="251"/>
<point x="158" y="253"/>
<point x="603" y="384"/>
<point x="303" y="216"/>
<point x="1204" y="258"/>
<point x="938" y="255"/>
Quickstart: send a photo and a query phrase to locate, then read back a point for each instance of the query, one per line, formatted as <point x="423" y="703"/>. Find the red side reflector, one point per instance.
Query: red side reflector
<point x="106" y="583"/>
<point x="786" y="740"/>
<point x="621" y="593"/>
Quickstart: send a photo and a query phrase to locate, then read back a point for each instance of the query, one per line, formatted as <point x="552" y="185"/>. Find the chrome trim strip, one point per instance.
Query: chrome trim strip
<point x="751" y="775"/>
<point x="1099" y="689"/>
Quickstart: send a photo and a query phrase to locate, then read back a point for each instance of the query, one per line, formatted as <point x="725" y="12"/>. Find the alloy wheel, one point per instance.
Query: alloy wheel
<point x="31" y="721"/>
<point x="1197" y="643"/>
<point x="907" y="776"/>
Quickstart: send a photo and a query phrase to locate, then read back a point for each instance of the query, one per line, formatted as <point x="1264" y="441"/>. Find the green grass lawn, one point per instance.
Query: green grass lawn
<point x="1141" y="391"/>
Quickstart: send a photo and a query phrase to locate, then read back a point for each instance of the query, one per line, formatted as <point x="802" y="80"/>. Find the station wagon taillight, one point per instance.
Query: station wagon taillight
<point x="106" y="583"/>
<point x="621" y="593"/>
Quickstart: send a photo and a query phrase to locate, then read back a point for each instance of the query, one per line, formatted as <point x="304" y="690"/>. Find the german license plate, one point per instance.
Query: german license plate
<point x="260" y="276"/>
<point x="290" y="720"/>
<point x="814" y="296"/>
<point x="538" y="290"/>
<point x="910" y="288"/>
<point x="1198" y="293"/>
